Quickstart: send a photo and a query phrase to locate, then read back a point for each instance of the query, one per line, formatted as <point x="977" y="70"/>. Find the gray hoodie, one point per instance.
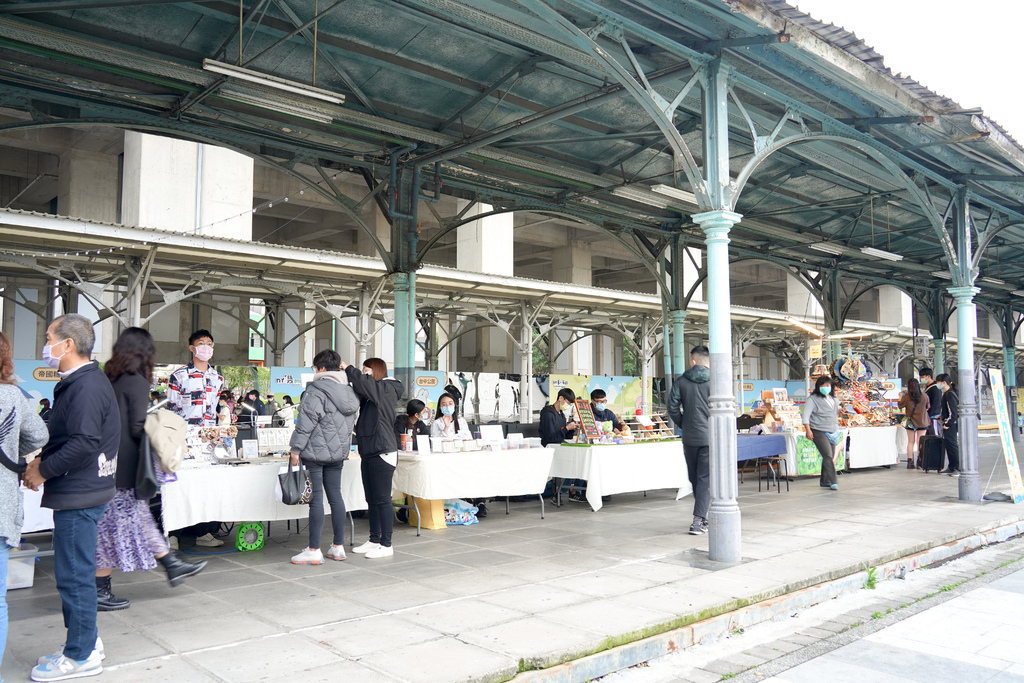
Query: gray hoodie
<point x="689" y="405"/>
<point x="323" y="429"/>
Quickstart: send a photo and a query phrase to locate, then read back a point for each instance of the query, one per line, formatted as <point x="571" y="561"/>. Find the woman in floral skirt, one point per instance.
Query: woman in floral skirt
<point x="127" y="536"/>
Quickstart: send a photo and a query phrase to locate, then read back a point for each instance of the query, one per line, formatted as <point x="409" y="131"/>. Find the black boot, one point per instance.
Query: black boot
<point x="106" y="601"/>
<point x="178" y="569"/>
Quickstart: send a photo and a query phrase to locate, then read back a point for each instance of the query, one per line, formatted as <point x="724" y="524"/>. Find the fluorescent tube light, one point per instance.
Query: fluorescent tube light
<point x="676" y="193"/>
<point x="942" y="275"/>
<point x="849" y="335"/>
<point x="804" y="326"/>
<point x="272" y="81"/>
<point x="826" y="248"/>
<point x="280" y="107"/>
<point x="881" y="253"/>
<point x="635" y="194"/>
<point x="993" y="281"/>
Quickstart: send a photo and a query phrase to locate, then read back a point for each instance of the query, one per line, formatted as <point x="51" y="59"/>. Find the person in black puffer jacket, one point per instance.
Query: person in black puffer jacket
<point x="378" y="448"/>
<point x="689" y="407"/>
<point x="322" y="440"/>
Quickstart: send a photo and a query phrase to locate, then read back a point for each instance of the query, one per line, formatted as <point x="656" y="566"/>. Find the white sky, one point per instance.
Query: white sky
<point x="967" y="51"/>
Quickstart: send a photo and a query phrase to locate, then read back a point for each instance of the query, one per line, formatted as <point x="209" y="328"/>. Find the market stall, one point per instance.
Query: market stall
<point x="874" y="446"/>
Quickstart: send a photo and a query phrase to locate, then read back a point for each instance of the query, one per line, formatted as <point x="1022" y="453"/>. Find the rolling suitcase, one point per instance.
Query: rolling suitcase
<point x="932" y="452"/>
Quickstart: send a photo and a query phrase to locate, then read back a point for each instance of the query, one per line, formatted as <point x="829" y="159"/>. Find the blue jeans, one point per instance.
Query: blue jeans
<point x="74" y="564"/>
<point x="326" y="478"/>
<point x="5" y="552"/>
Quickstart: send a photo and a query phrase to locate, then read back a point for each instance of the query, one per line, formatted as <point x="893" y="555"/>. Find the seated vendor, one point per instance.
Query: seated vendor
<point x="448" y="424"/>
<point x="556" y="419"/>
<point x="599" y="404"/>
<point x="412" y="421"/>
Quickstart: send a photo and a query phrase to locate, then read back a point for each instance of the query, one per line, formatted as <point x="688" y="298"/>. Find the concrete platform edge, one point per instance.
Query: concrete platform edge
<point x="691" y="629"/>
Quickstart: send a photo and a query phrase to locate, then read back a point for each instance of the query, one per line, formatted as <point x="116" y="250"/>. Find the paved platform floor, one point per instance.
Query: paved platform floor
<point x="512" y="593"/>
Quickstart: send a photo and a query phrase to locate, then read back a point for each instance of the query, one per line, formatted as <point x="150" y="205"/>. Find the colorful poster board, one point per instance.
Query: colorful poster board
<point x="587" y="420"/>
<point x="1003" y="418"/>
<point x="808" y="459"/>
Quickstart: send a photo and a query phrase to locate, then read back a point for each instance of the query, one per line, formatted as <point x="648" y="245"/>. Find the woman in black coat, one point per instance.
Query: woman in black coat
<point x="378" y="449"/>
<point x="127" y="536"/>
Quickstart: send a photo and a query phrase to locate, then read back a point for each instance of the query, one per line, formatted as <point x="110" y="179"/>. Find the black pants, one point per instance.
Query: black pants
<point x="952" y="443"/>
<point x="828" y="451"/>
<point x="326" y="479"/>
<point x="698" y="471"/>
<point x="377" y="476"/>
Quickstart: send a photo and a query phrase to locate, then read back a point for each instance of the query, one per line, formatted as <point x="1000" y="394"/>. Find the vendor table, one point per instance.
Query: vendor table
<point x="477" y="474"/>
<point x="874" y="446"/>
<point x="243" y="493"/>
<point x="37" y="518"/>
<point x="753" y="446"/>
<point x="623" y="468"/>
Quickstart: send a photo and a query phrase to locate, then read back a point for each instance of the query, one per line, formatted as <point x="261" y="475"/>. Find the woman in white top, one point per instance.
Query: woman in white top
<point x="448" y="424"/>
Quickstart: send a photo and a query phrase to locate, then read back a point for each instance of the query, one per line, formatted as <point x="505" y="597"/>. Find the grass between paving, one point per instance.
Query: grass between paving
<point x="871" y="581"/>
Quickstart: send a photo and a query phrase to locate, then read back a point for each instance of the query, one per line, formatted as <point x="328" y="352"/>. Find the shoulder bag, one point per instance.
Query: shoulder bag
<point x="146" y="482"/>
<point x="296" y="487"/>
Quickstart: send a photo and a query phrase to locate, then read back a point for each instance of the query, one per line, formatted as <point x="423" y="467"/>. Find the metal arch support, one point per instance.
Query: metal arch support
<point x="80" y="287"/>
<point x="986" y="238"/>
<point x="346" y="206"/>
<point x="636" y="84"/>
<point x="450" y="226"/>
<point x="919" y="196"/>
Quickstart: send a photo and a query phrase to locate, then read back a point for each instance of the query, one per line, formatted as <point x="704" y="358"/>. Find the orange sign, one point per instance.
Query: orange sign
<point x="45" y="375"/>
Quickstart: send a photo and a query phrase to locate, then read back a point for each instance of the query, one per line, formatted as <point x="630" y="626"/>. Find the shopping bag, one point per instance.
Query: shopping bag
<point x="431" y="513"/>
<point x="296" y="487"/>
<point x="460" y="513"/>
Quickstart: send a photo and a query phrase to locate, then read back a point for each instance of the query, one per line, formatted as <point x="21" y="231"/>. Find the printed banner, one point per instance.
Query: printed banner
<point x="808" y="459"/>
<point x="1003" y="417"/>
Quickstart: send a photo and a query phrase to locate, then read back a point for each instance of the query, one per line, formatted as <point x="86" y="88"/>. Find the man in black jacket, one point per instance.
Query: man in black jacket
<point x="934" y="392"/>
<point x="689" y="407"/>
<point x="78" y="466"/>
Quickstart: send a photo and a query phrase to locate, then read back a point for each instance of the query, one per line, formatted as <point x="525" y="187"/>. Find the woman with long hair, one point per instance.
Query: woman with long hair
<point x="127" y="536"/>
<point x="449" y="424"/>
<point x="21" y="432"/>
<point x="378" y="449"/>
<point x="821" y="425"/>
<point x="915" y="403"/>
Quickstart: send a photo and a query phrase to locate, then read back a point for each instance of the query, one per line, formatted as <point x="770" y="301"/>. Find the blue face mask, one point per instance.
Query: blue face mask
<point x="825" y="391"/>
<point x="448" y="410"/>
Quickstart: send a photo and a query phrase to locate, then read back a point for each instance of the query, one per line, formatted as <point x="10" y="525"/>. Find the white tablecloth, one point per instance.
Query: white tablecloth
<point x="481" y="474"/>
<point x="36" y="518"/>
<point x="243" y="493"/>
<point x="874" y="446"/>
<point x="623" y="468"/>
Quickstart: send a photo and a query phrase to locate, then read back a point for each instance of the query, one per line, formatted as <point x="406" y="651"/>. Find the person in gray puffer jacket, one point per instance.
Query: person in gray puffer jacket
<point x="322" y="440"/>
<point x="689" y="406"/>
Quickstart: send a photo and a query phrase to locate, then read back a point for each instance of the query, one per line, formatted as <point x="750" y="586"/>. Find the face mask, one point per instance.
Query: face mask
<point x="601" y="406"/>
<point x="448" y="410"/>
<point x="567" y="411"/>
<point x="50" y="360"/>
<point x="825" y="391"/>
<point x="204" y="353"/>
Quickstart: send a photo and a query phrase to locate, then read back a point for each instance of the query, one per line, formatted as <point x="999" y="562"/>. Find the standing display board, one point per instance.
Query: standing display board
<point x="588" y="423"/>
<point x="1003" y="417"/>
<point x="808" y="459"/>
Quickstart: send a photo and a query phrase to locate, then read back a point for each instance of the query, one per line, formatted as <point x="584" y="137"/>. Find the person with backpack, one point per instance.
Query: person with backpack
<point x="127" y="536"/>
<point x="950" y="417"/>
<point x="321" y="441"/>
<point x="21" y="431"/>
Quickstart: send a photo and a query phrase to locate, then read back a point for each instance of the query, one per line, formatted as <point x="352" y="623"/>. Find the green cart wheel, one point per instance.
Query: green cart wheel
<point x="249" y="536"/>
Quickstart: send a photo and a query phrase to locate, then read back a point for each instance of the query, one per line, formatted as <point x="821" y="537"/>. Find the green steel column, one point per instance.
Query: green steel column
<point x="679" y="355"/>
<point x="939" y="355"/>
<point x="405" y="329"/>
<point x="1010" y="379"/>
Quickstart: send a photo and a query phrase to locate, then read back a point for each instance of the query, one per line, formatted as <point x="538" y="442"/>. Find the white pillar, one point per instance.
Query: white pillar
<point x="87" y="185"/>
<point x="485" y="245"/>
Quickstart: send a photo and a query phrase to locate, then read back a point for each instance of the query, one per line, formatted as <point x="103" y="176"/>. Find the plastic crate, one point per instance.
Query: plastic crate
<point x="21" y="567"/>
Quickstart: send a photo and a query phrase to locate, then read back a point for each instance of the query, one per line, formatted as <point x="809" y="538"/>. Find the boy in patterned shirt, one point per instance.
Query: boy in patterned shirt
<point x="193" y="390"/>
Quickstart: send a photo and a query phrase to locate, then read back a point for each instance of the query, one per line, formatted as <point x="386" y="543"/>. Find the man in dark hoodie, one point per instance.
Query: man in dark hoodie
<point x="322" y="440"/>
<point x="78" y="467"/>
<point x="689" y="407"/>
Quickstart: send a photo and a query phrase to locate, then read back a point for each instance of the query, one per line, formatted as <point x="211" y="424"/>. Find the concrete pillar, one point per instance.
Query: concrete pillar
<point x="186" y="186"/>
<point x="88" y="185"/>
<point x="799" y="300"/>
<point x="485" y="245"/>
<point x="724" y="514"/>
<point x="572" y="263"/>
<point x="382" y="230"/>
<point x="967" y="320"/>
<point x="895" y="307"/>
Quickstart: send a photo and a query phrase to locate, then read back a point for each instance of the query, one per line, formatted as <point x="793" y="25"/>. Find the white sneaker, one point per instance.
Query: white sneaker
<point x="379" y="552"/>
<point x="336" y="552"/>
<point x="60" y="651"/>
<point x="209" y="541"/>
<point x="61" y="668"/>
<point x="366" y="547"/>
<point x="308" y="556"/>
